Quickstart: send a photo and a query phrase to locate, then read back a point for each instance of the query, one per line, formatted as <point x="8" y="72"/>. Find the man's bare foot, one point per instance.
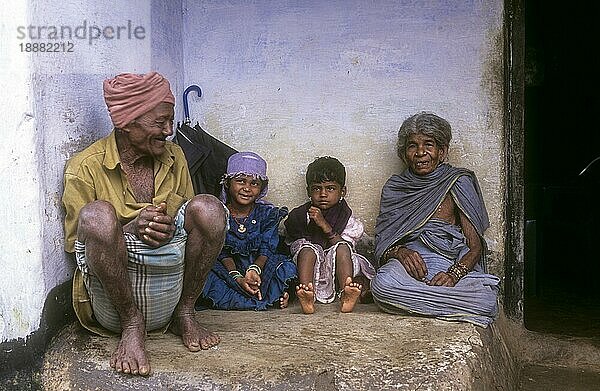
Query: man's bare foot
<point x="306" y="296"/>
<point x="131" y="356"/>
<point x="350" y="295"/>
<point x="194" y="336"/>
<point x="284" y="300"/>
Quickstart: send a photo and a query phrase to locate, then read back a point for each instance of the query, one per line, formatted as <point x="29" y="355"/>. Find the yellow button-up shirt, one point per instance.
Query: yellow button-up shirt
<point x="95" y="174"/>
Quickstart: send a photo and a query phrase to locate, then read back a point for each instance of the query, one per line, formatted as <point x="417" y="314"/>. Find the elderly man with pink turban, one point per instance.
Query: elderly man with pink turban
<point x="143" y="242"/>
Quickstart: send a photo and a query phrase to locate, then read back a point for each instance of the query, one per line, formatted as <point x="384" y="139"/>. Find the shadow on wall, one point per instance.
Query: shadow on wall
<point x="21" y="359"/>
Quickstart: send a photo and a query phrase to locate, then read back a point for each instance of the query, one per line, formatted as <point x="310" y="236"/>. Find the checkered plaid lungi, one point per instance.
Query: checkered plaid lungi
<point x="156" y="276"/>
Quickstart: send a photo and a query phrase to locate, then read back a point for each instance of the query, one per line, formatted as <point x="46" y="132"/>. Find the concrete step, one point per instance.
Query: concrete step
<point x="541" y="377"/>
<point x="287" y="350"/>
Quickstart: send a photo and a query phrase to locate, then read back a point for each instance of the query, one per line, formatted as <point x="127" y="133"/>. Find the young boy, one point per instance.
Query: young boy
<point x="322" y="234"/>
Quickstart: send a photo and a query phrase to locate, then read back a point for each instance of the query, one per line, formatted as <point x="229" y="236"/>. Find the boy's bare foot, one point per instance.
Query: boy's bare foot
<point x="131" y="356"/>
<point x="365" y="292"/>
<point x="350" y="295"/>
<point x="284" y="300"/>
<point x="306" y="296"/>
<point x="194" y="336"/>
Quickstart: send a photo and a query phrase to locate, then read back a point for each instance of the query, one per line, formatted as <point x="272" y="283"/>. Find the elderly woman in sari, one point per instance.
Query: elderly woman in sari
<point x="429" y="233"/>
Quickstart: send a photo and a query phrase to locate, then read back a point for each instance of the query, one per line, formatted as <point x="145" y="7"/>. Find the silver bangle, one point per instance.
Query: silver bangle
<point x="256" y="268"/>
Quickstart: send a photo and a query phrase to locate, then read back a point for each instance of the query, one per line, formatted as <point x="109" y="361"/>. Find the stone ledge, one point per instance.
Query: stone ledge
<point x="287" y="350"/>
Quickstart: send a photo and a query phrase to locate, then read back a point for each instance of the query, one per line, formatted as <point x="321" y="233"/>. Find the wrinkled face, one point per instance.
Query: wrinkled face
<point x="324" y="195"/>
<point x="148" y="133"/>
<point x="422" y="154"/>
<point x="244" y="189"/>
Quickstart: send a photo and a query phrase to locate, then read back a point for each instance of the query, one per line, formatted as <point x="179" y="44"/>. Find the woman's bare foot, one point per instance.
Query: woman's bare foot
<point x="350" y="295"/>
<point x="284" y="300"/>
<point x="194" y="336"/>
<point x="131" y="356"/>
<point x="306" y="296"/>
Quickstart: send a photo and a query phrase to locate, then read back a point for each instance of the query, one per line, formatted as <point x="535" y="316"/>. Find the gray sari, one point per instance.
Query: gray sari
<point x="408" y="203"/>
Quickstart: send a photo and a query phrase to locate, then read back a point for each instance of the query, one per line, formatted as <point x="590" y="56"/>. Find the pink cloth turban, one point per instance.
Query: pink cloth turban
<point x="128" y="95"/>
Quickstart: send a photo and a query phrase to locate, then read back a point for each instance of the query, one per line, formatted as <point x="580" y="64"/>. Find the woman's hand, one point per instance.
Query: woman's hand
<point x="251" y="283"/>
<point x="152" y="226"/>
<point x="412" y="262"/>
<point x="442" y="279"/>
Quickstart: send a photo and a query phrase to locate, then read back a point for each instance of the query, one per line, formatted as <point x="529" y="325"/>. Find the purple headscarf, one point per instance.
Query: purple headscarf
<point x="245" y="163"/>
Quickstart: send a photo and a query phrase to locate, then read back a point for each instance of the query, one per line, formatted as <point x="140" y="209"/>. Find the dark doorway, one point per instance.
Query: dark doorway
<point x="562" y="136"/>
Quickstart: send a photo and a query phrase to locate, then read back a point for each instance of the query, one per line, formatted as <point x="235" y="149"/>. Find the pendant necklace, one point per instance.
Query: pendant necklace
<point x="241" y="226"/>
<point x="241" y="223"/>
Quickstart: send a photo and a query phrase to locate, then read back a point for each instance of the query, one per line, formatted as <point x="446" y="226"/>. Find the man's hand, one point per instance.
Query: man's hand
<point x="442" y="279"/>
<point x="251" y="283"/>
<point x="152" y="226"/>
<point x="412" y="262"/>
<point x="316" y="215"/>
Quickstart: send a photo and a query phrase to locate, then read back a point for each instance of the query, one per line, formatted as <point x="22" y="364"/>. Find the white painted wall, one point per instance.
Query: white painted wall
<point x="291" y="80"/>
<point x="21" y="279"/>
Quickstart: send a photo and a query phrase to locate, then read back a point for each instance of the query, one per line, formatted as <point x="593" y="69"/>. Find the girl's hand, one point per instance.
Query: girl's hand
<point x="249" y="285"/>
<point x="316" y="215"/>
<point x="253" y="278"/>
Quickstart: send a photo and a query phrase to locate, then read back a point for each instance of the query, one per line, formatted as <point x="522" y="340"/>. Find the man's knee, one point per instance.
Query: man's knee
<point x="205" y="213"/>
<point x="96" y="217"/>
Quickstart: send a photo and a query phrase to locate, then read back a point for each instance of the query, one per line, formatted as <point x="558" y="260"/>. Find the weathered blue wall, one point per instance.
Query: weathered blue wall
<point x="293" y="80"/>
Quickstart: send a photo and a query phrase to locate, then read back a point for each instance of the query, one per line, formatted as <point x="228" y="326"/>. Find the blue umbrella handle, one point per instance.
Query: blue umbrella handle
<point x="186" y="108"/>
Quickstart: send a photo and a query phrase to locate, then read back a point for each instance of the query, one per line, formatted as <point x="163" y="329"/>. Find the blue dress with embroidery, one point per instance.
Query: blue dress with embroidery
<point x="261" y="237"/>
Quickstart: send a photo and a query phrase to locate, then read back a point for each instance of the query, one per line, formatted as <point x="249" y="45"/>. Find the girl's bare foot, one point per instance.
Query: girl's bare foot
<point x="350" y="295"/>
<point x="130" y="356"/>
<point x="306" y="296"/>
<point x="195" y="337"/>
<point x="284" y="300"/>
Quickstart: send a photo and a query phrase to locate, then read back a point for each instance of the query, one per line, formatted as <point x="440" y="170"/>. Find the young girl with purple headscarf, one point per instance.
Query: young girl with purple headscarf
<point x="249" y="272"/>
